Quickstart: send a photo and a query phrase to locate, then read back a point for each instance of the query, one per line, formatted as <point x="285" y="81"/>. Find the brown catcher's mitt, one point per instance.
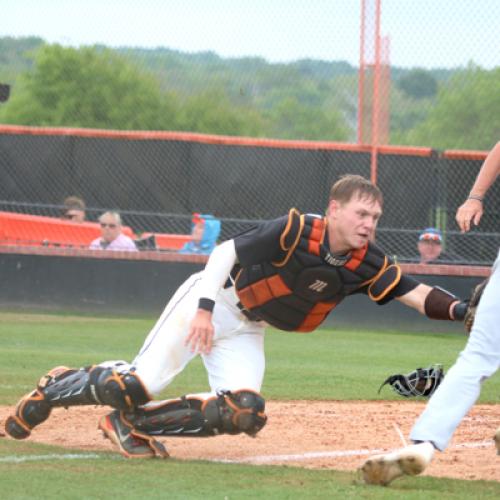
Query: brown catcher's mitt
<point x="474" y="300"/>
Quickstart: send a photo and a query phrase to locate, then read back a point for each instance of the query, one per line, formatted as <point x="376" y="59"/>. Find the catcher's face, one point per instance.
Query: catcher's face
<point x="352" y="224"/>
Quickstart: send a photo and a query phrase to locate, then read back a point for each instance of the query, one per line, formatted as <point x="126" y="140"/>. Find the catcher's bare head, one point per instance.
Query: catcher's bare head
<point x="354" y="208"/>
<point x="350" y="186"/>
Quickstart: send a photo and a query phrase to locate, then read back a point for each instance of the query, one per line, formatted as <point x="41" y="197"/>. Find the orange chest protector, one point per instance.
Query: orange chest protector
<point x="297" y="292"/>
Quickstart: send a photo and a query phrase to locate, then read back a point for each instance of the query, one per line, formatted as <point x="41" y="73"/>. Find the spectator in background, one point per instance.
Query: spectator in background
<point x="430" y="245"/>
<point x="111" y="235"/>
<point x="74" y="209"/>
<point x="430" y="248"/>
<point x="205" y="230"/>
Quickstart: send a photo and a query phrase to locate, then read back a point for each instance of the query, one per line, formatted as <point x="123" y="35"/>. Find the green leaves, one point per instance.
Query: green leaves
<point x="89" y="87"/>
<point x="96" y="87"/>
<point x="160" y="89"/>
<point x="464" y="115"/>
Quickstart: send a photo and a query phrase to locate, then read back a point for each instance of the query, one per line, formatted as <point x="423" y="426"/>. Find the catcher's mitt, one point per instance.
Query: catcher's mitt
<point x="474" y="300"/>
<point x="420" y="382"/>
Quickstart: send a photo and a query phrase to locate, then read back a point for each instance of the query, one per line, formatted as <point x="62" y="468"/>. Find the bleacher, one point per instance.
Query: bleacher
<point x="27" y="230"/>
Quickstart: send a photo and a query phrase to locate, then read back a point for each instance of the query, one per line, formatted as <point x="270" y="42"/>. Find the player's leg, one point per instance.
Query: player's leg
<point x="454" y="397"/>
<point x="235" y="367"/>
<point x="117" y="384"/>
<point x="462" y="384"/>
<point x="164" y="354"/>
<point x="111" y="383"/>
<point x="237" y="360"/>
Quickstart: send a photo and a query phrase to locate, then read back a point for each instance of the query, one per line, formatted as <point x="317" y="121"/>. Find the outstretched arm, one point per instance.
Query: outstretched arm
<point x="472" y="209"/>
<point x="434" y="302"/>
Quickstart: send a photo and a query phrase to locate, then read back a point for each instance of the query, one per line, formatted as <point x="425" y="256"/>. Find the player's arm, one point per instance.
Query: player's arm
<point x="219" y="265"/>
<point x="472" y="209"/>
<point x="258" y="244"/>
<point x="434" y="302"/>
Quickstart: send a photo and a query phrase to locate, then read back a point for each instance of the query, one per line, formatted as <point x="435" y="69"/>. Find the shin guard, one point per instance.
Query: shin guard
<point x="32" y="409"/>
<point x="226" y="413"/>
<point x="115" y="385"/>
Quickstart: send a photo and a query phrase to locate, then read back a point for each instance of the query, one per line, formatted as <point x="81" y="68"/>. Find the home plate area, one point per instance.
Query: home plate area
<point x="313" y="434"/>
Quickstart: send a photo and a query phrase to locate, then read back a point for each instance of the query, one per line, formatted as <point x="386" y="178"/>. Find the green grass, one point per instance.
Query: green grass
<point x="326" y="364"/>
<point x="322" y="365"/>
<point x="108" y="475"/>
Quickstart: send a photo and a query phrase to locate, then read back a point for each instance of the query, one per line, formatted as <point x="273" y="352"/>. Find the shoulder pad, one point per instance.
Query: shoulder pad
<point x="290" y="235"/>
<point x="384" y="282"/>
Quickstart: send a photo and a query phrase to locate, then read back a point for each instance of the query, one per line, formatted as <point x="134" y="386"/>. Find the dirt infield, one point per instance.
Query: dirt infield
<point x="326" y="435"/>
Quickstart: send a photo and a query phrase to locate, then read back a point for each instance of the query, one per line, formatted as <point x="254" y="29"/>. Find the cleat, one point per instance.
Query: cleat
<point x="409" y="461"/>
<point x="130" y="442"/>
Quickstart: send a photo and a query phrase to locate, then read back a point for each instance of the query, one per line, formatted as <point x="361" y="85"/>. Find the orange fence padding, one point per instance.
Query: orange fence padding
<point x="459" y="154"/>
<point x="38" y="230"/>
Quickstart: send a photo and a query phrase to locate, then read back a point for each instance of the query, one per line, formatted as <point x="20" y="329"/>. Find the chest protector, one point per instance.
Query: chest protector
<point x="297" y="292"/>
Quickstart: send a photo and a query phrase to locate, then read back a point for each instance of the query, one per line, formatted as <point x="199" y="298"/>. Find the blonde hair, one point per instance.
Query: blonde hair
<point x="349" y="185"/>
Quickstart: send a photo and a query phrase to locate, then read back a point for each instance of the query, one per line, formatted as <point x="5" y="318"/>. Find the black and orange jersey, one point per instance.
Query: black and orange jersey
<point x="287" y="276"/>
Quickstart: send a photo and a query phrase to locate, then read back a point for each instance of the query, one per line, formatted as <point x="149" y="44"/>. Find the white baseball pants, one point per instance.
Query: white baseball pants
<point x="462" y="384"/>
<point x="236" y="360"/>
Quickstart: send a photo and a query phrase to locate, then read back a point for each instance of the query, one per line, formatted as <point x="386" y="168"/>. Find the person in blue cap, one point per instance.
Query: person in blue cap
<point x="430" y="245"/>
<point x="205" y="230"/>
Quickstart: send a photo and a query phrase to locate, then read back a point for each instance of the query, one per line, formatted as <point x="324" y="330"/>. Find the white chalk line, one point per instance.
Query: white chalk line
<point x="52" y="456"/>
<point x="259" y="459"/>
<point x="400" y="434"/>
<point x="263" y="459"/>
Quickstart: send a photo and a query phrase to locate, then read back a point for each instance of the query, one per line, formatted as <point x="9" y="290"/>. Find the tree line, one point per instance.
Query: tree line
<point x="162" y="89"/>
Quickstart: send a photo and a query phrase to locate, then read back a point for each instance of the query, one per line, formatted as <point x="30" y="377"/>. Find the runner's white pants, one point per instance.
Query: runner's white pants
<point x="462" y="384"/>
<point x="236" y="360"/>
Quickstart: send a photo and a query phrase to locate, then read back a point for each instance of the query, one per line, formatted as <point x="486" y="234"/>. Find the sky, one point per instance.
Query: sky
<point x="423" y="33"/>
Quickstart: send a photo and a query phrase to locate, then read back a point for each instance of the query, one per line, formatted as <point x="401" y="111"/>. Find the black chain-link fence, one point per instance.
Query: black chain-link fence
<point x="428" y="78"/>
<point x="156" y="184"/>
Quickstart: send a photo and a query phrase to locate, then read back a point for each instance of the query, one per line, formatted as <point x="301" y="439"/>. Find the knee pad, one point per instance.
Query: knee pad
<point x="235" y="412"/>
<point x="122" y="389"/>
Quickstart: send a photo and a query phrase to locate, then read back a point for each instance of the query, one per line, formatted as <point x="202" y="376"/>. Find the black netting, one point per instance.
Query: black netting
<point x="156" y="185"/>
<point x="386" y="77"/>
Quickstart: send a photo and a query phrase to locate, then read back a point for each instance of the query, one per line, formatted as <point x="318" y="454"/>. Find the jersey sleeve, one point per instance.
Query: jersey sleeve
<point x="261" y="243"/>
